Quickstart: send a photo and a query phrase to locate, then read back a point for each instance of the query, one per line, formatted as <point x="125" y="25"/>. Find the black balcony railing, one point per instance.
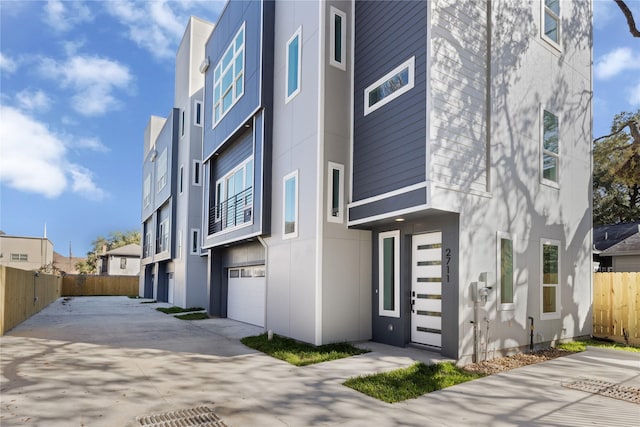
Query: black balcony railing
<point x="229" y="213"/>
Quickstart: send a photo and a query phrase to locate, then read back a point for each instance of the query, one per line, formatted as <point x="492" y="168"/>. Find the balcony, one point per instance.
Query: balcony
<point x="234" y="211"/>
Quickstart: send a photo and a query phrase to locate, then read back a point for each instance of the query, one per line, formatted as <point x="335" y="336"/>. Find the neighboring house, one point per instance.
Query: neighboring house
<point x="26" y="253"/>
<point x="609" y="250"/>
<point x="416" y="173"/>
<point x="66" y="265"/>
<point x="173" y="267"/>
<point x="122" y="261"/>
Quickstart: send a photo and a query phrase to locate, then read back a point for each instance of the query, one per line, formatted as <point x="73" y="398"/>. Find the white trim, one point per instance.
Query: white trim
<point x="339" y="217"/>
<point x="197" y="102"/>
<point x="294" y="233"/>
<point x="196" y="164"/>
<point x="208" y="244"/>
<point x="319" y="268"/>
<point x="543" y="11"/>
<point x="499" y="237"/>
<point x="556" y="314"/>
<point x="408" y="64"/>
<point x="352" y="101"/>
<point x="293" y="94"/>
<point x="387" y="215"/>
<point x="395" y="235"/>
<point x="388" y="194"/>
<point x="333" y="12"/>
<point x="543" y="180"/>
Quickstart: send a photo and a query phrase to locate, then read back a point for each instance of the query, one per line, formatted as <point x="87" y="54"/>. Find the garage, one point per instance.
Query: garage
<point x="247" y="294"/>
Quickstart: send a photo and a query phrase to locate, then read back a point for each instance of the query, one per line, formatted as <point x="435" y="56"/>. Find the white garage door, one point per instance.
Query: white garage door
<point x="247" y="291"/>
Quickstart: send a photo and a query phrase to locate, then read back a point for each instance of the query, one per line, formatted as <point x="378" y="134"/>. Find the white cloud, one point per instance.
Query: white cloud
<point x="62" y="16"/>
<point x="603" y="13"/>
<point x="634" y="95"/>
<point x="7" y="64"/>
<point x="92" y="78"/>
<point x="34" y="159"/>
<point x="615" y="62"/>
<point x="93" y="144"/>
<point x="33" y="100"/>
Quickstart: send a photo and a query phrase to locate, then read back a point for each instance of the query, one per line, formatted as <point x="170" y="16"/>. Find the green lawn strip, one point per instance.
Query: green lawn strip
<point x="192" y="316"/>
<point x="149" y="302"/>
<point x="411" y="382"/>
<point x="581" y="345"/>
<point x="174" y="310"/>
<point x="298" y="353"/>
<point x="134" y="296"/>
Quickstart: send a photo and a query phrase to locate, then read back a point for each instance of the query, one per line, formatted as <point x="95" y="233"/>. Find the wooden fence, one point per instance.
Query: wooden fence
<point x="616" y="306"/>
<point x="23" y="294"/>
<point x="81" y="285"/>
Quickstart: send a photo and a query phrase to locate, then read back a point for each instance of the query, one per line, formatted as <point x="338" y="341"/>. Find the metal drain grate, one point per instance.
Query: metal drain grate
<point x="194" y="417"/>
<point x="603" y="388"/>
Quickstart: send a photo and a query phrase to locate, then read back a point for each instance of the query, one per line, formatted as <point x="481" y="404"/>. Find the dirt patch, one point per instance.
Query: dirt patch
<point x="507" y="363"/>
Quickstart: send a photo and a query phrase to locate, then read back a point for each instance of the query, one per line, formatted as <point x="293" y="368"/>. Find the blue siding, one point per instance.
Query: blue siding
<point x="390" y="142"/>
<point x="391" y="204"/>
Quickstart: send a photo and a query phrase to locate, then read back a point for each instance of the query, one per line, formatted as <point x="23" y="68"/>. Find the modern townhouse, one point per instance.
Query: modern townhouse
<point x="416" y="173"/>
<point x="173" y="267"/>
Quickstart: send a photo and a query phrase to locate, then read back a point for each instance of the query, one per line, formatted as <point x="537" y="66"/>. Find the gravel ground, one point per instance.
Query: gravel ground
<point x="507" y="363"/>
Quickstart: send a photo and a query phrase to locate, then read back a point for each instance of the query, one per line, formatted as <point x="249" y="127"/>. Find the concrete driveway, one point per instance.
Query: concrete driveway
<point x="103" y="361"/>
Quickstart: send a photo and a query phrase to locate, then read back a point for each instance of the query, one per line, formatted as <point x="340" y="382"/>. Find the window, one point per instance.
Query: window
<point x="162" y="170"/>
<point x="234" y="196"/>
<point x="123" y="263"/>
<point x="146" y="197"/>
<point x="181" y="183"/>
<point x="335" y="195"/>
<point x="550" y="294"/>
<point x="195" y="241"/>
<point x="551" y="21"/>
<point x="290" y="223"/>
<point x="163" y="233"/>
<point x="182" y="124"/>
<point x="550" y="148"/>
<point x="389" y="274"/>
<point x="294" y="47"/>
<point x="196" y="172"/>
<point x="20" y="257"/>
<point x="147" y="245"/>
<point x="390" y="86"/>
<point x="506" y="261"/>
<point x="197" y="115"/>
<point x="338" y="42"/>
<point x="228" y="78"/>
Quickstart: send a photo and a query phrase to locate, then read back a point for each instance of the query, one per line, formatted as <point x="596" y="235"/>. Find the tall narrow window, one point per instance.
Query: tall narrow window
<point x="195" y="241"/>
<point x="550" y="148"/>
<point x="338" y="42"/>
<point x="389" y="274"/>
<point x="506" y="261"/>
<point x="335" y="195"/>
<point x="181" y="183"/>
<point x="290" y="223"/>
<point x="390" y="86"/>
<point x="146" y="195"/>
<point x="294" y="46"/>
<point x="550" y="292"/>
<point x="197" y="115"/>
<point x="196" y="172"/>
<point x="182" y="124"/>
<point x="228" y="78"/>
<point x="162" y="169"/>
<point x="551" y="21"/>
<point x="163" y="236"/>
<point x="123" y="263"/>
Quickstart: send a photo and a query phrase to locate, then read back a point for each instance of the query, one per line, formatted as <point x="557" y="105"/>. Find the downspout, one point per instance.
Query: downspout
<point x="266" y="277"/>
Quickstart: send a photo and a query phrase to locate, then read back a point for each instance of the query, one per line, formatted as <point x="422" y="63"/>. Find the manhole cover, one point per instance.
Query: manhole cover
<point x="603" y="388"/>
<point x="194" y="417"/>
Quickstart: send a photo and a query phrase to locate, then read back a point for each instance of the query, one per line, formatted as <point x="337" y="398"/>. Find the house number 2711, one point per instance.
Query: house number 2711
<point x="447" y="254"/>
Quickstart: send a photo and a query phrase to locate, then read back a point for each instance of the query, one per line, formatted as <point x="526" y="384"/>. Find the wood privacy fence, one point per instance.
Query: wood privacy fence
<point x="81" y="285"/>
<point x="616" y="306"/>
<point x="23" y="294"/>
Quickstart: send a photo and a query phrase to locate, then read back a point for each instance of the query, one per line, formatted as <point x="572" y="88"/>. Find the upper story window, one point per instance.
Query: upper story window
<point x="550" y="148"/>
<point x="146" y="192"/>
<point x="294" y="49"/>
<point x="550" y="287"/>
<point x="195" y="241"/>
<point x="163" y="236"/>
<point x="182" y="123"/>
<point x="197" y="113"/>
<point x="162" y="170"/>
<point x="335" y="196"/>
<point x="146" y="250"/>
<point x="228" y="78"/>
<point x="338" y="41"/>
<point x="551" y="21"/>
<point x="197" y="166"/>
<point x="20" y="257"/>
<point x="290" y="202"/>
<point x="234" y="197"/>
<point x="506" y="262"/>
<point x="390" y="86"/>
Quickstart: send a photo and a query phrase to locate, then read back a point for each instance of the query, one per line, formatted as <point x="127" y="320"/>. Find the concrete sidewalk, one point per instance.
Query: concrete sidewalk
<point x="104" y="361"/>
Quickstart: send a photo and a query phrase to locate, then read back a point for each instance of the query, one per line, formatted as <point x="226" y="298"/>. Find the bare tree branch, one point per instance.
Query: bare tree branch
<point x="634" y="127"/>
<point x="630" y="21"/>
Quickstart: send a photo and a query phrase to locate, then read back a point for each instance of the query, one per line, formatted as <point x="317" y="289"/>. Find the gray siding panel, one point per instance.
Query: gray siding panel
<point x="395" y="203"/>
<point x="389" y="143"/>
<point x="233" y="155"/>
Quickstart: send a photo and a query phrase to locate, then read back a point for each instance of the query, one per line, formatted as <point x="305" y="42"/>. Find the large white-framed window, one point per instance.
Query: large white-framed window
<point x="197" y="113"/>
<point x="290" y="205"/>
<point x="234" y="195"/>
<point x="550" y="149"/>
<point x="506" y="257"/>
<point x="338" y="38"/>
<point x="551" y="22"/>
<point x="550" y="274"/>
<point x="196" y="172"/>
<point x="195" y="241"/>
<point x="390" y="86"/>
<point x="163" y="236"/>
<point x="162" y="169"/>
<point x="389" y="273"/>
<point x="228" y="77"/>
<point x="146" y="192"/>
<point x="294" y="57"/>
<point x="335" y="192"/>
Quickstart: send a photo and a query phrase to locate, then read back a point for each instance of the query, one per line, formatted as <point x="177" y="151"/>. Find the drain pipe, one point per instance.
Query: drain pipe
<point x="266" y="280"/>
<point x="531" y="334"/>
<point x="474" y="322"/>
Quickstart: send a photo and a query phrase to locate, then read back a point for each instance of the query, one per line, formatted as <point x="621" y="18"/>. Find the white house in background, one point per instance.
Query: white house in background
<point x="122" y="261"/>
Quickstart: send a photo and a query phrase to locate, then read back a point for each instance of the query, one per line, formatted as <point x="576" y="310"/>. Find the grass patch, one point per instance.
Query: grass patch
<point x="298" y="353"/>
<point x="192" y="316"/>
<point x="411" y="382"/>
<point x="581" y="345"/>
<point x="134" y="296"/>
<point x="149" y="302"/>
<point x="174" y="310"/>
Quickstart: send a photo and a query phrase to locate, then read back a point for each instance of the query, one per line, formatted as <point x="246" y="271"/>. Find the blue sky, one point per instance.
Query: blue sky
<point x="79" y="80"/>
